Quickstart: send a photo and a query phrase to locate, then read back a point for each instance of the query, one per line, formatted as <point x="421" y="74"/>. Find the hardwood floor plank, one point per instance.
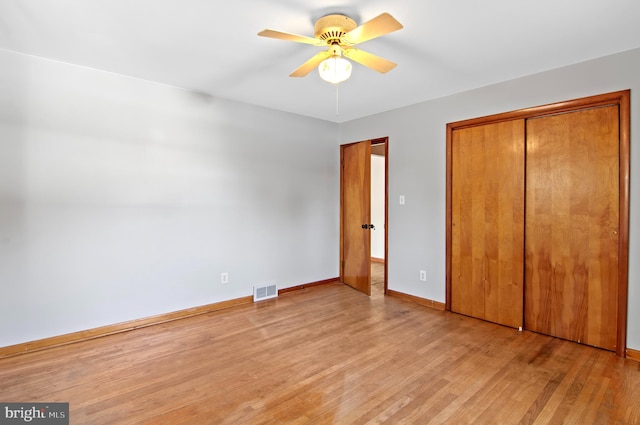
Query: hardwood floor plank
<point x="325" y="355"/>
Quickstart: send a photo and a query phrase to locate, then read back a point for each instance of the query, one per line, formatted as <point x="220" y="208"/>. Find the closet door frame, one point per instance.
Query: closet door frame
<point x="622" y="100"/>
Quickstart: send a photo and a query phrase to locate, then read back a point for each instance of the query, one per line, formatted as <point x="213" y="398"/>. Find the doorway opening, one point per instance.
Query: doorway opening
<point x="378" y="215"/>
<point x="363" y="190"/>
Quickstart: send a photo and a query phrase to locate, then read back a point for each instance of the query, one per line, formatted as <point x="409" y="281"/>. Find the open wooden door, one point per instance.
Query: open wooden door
<point x="355" y="216"/>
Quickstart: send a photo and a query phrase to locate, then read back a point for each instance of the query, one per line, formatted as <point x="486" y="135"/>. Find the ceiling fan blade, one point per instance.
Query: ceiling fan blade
<point x="310" y="65"/>
<point x="367" y="59"/>
<point x="291" y="37"/>
<point x="380" y="25"/>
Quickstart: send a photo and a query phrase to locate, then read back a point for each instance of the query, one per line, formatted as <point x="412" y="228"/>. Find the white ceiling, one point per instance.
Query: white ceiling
<point x="211" y="46"/>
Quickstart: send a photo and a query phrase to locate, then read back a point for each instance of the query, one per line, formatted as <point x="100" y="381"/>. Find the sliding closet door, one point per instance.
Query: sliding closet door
<point x="572" y="224"/>
<point x="487" y="222"/>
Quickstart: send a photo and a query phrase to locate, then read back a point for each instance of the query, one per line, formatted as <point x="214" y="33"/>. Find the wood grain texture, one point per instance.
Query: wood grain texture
<point x="102" y="331"/>
<point x="620" y="99"/>
<point x="355" y="188"/>
<point x="624" y="103"/>
<point x="418" y="300"/>
<point x="633" y="354"/>
<point x="377" y="277"/>
<point x="46" y="343"/>
<point x="572" y="226"/>
<point x="487" y="229"/>
<point x="307" y="285"/>
<point x="329" y="354"/>
<point x="605" y="99"/>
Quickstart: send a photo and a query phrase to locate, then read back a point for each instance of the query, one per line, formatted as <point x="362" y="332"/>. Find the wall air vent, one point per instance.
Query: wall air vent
<point x="264" y="292"/>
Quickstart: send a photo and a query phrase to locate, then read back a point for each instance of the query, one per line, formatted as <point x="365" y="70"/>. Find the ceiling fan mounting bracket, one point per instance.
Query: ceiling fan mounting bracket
<point x="332" y="28"/>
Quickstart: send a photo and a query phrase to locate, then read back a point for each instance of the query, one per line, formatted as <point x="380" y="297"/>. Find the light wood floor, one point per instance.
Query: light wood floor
<point x="324" y="355"/>
<point x="377" y="278"/>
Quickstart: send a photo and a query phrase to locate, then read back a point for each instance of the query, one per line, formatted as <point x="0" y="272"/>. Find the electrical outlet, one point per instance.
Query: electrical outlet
<point x="401" y="199"/>
<point x="224" y="277"/>
<point x="423" y="275"/>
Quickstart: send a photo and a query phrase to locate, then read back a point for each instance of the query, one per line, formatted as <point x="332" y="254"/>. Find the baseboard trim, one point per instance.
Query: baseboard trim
<point x="307" y="285"/>
<point x="377" y="260"/>
<point x="422" y="301"/>
<point x="633" y="354"/>
<point x="71" y="338"/>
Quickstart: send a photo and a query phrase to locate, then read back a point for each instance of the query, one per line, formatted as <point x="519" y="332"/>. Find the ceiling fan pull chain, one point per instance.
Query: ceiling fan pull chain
<point x="337" y="100"/>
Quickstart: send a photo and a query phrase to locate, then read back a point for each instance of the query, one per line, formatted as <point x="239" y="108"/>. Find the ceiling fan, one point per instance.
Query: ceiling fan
<point x="340" y="34"/>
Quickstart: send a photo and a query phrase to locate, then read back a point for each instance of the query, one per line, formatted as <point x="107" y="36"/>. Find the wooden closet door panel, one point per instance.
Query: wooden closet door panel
<point x="572" y="220"/>
<point x="487" y="232"/>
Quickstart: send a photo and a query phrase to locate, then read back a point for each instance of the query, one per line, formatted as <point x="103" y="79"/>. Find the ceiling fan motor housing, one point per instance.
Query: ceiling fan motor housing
<point x="331" y="28"/>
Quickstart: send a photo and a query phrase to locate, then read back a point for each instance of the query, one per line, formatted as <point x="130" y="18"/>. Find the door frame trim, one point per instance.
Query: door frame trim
<point x="622" y="100"/>
<point x="375" y="141"/>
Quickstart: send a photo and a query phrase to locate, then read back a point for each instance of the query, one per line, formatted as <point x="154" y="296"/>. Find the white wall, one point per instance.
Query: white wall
<point x="417" y="142"/>
<point x="377" y="205"/>
<point x="121" y="198"/>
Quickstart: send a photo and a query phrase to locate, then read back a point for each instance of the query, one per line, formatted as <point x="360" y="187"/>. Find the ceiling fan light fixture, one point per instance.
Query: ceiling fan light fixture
<point x="335" y="69"/>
